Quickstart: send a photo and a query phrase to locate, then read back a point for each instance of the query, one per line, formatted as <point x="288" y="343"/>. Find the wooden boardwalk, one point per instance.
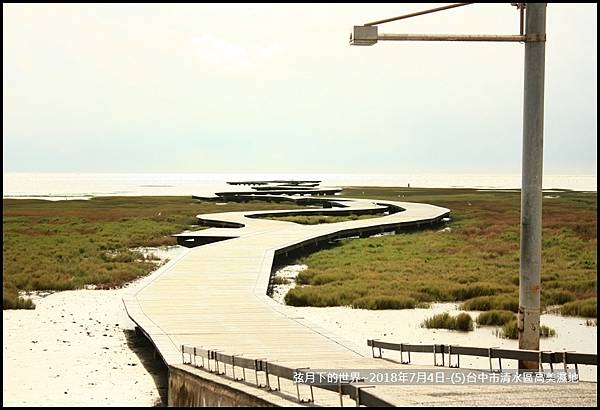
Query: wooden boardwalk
<point x="214" y="296"/>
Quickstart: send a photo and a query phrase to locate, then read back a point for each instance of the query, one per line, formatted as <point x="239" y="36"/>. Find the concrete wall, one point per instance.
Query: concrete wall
<point x="194" y="387"/>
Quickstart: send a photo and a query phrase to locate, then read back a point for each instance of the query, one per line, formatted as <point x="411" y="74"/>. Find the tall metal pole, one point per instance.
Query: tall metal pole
<point x="533" y="145"/>
<point x="531" y="191"/>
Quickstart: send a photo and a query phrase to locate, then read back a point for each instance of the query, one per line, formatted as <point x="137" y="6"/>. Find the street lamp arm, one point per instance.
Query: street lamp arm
<point x="369" y="35"/>
<point x="460" y="37"/>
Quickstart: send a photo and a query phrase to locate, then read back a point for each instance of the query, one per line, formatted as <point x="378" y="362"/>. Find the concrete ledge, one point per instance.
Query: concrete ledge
<point x="191" y="387"/>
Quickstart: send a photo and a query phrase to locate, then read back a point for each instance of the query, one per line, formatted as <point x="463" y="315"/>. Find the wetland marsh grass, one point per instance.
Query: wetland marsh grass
<point x="495" y="317"/>
<point x="475" y="262"/>
<point x="584" y="308"/>
<point x="63" y="245"/>
<point x="462" y="321"/>
<point x="322" y="219"/>
<point x="68" y="244"/>
<point x="510" y="331"/>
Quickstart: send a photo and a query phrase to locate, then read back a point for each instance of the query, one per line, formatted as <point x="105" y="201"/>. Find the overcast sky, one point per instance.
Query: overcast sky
<point x="277" y="88"/>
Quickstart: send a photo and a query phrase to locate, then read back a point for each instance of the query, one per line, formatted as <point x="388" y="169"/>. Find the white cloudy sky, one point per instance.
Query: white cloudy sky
<point x="277" y="88"/>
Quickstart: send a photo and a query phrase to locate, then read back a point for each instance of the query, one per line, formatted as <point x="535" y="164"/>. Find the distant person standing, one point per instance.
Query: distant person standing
<point x="408" y="185"/>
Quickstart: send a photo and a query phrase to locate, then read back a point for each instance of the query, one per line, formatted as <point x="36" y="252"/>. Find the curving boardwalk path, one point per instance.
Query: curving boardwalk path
<point x="214" y="296"/>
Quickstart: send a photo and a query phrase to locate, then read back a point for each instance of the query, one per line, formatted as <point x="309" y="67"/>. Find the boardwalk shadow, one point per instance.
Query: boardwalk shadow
<point x="153" y="364"/>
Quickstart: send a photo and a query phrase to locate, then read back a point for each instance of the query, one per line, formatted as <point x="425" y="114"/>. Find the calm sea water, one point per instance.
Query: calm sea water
<point x="61" y="185"/>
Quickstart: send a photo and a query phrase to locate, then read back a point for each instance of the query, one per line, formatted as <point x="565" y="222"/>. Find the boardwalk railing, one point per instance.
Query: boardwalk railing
<point x="492" y="353"/>
<point x="216" y="362"/>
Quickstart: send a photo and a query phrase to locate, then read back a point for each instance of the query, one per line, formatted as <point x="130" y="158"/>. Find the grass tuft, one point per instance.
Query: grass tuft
<point x="556" y="297"/>
<point x="510" y="331"/>
<point x="462" y="321"/>
<point x="501" y="302"/>
<point x="584" y="308"/>
<point x="495" y="317"/>
<point x="278" y="280"/>
<point x="384" y="302"/>
<point x="12" y="300"/>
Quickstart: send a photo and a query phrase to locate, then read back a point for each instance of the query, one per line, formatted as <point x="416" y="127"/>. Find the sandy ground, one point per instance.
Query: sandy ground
<point x="79" y="348"/>
<point x="403" y="326"/>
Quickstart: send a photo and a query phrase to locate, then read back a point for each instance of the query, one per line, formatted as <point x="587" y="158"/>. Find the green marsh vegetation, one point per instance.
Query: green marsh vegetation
<point x="61" y="245"/>
<point x="495" y="317"/>
<point x="462" y="321"/>
<point x="278" y="280"/>
<point x="510" y="331"/>
<point x="476" y="262"/>
<point x="585" y="308"/>
<point x="505" y="319"/>
<point x="321" y="219"/>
